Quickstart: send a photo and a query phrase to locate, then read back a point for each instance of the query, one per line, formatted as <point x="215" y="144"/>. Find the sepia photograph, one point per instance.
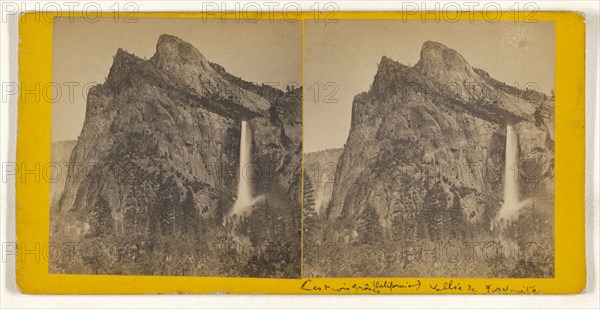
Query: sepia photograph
<point x="247" y="151"/>
<point x="429" y="149"/>
<point x="179" y="150"/>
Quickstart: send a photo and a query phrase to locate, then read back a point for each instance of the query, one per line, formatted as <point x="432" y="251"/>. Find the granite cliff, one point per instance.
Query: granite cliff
<point x="158" y="155"/>
<point x="442" y="122"/>
<point x="424" y="162"/>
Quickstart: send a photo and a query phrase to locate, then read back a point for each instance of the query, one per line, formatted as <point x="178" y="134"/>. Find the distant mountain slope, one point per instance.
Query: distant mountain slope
<point x="320" y="166"/>
<point x="60" y="155"/>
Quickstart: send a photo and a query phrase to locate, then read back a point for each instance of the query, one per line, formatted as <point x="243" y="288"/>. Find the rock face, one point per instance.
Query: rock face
<point x="159" y="148"/>
<point x="425" y="154"/>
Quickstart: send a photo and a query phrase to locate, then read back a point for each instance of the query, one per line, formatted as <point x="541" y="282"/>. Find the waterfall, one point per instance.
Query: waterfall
<point x="511" y="205"/>
<point x="245" y="201"/>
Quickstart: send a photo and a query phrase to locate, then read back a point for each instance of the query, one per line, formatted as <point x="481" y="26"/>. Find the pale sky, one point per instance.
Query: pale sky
<point x="344" y="57"/>
<point x="263" y="52"/>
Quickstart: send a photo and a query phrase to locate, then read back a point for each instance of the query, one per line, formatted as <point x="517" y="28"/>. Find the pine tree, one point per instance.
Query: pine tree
<point x="168" y="205"/>
<point x="101" y="221"/>
<point x="404" y="223"/>
<point x="458" y="224"/>
<point x="369" y="230"/>
<point x="398" y="222"/>
<point x="309" y="200"/>
<point x="136" y="208"/>
<point x="190" y="217"/>
<point x="310" y="222"/>
<point x="435" y="211"/>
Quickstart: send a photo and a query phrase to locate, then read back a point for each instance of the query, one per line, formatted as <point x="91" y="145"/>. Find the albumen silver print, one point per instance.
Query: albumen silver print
<point x="184" y="158"/>
<point x="281" y="149"/>
<point x="433" y="155"/>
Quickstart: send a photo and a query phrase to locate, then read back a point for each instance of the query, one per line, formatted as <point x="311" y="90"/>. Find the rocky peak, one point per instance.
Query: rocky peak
<point x="124" y="57"/>
<point x="171" y="49"/>
<point x="437" y="59"/>
<point x="439" y="67"/>
<point x="443" y="72"/>
<point x="181" y="71"/>
<point x="123" y="63"/>
<point x="388" y="66"/>
<point x="388" y="74"/>
<point x="386" y="62"/>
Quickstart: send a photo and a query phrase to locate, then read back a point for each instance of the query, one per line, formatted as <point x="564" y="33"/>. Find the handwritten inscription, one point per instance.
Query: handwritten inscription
<point x="446" y="286"/>
<point x="375" y="287"/>
<point x="507" y="289"/>
<point x="391" y="286"/>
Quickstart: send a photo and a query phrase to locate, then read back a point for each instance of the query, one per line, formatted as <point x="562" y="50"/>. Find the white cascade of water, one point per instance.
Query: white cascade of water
<point x="511" y="205"/>
<point x="245" y="201"/>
